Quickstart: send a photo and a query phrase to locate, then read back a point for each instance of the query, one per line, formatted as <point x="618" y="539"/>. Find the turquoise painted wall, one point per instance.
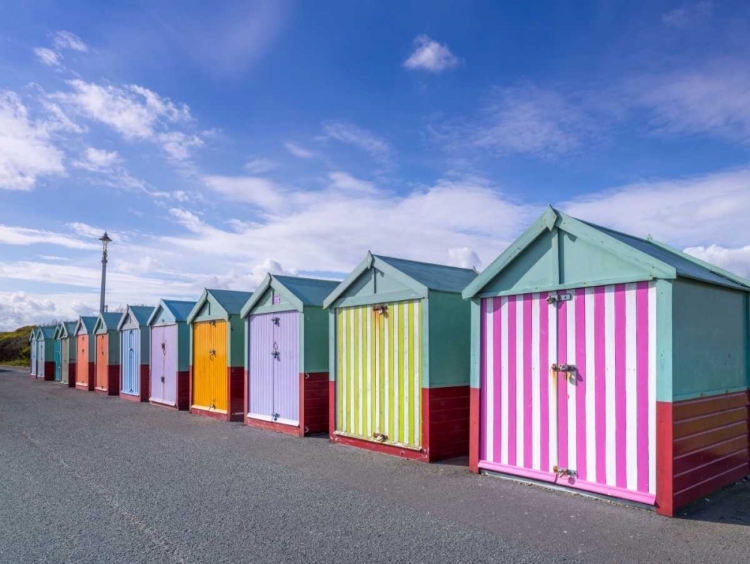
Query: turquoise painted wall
<point x="558" y="259"/>
<point x="449" y="340"/>
<point x="236" y="354"/>
<point x="183" y="347"/>
<point x="710" y="346"/>
<point x="315" y="340"/>
<point x="373" y="286"/>
<point x="266" y="305"/>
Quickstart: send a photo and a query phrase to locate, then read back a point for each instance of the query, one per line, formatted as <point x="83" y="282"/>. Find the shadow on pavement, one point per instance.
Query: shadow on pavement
<point x="729" y="506"/>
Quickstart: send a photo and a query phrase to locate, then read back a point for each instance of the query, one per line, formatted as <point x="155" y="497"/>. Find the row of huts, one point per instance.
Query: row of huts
<point x="582" y="357"/>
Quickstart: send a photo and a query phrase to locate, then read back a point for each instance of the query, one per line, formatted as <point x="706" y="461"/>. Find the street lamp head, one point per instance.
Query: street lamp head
<point x="105" y="239"/>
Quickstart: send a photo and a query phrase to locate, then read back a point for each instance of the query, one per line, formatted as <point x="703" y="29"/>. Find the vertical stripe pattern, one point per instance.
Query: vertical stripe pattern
<point x="379" y="374"/>
<point x="597" y="421"/>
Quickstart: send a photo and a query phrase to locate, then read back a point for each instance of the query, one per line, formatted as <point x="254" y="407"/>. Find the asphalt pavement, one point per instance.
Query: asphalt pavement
<point x="89" y="478"/>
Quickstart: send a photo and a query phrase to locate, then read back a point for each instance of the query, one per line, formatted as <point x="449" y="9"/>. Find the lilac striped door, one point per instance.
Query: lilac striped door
<point x="286" y="370"/>
<point x="274" y="366"/>
<point x="164" y="364"/>
<point x="260" y="366"/>
<point x="597" y="422"/>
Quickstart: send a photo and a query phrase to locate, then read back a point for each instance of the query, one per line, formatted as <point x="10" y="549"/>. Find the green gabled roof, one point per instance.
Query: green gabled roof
<point x="418" y="276"/>
<point x="108" y="321"/>
<point x="47" y="332"/>
<point x="141" y="314"/>
<point x="301" y="292"/>
<point x="179" y="310"/>
<point x="67" y="328"/>
<point x="434" y="276"/>
<point x="88" y="322"/>
<point x="660" y="260"/>
<point x="230" y="301"/>
<point x="310" y="291"/>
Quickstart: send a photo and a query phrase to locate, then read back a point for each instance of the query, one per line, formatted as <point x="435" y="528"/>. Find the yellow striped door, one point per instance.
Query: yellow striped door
<point x="379" y="373"/>
<point x="210" y="365"/>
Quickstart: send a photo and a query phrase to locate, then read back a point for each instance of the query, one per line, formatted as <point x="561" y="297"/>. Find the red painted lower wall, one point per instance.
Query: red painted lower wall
<point x="71" y="375"/>
<point x="236" y="389"/>
<point x="445" y="422"/>
<point x="709" y="447"/>
<point x="183" y="390"/>
<point x="314" y="402"/>
<point x="445" y="426"/>
<point x="49" y="371"/>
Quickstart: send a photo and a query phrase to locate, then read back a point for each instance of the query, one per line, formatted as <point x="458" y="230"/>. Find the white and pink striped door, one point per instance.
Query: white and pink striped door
<point x="591" y="427"/>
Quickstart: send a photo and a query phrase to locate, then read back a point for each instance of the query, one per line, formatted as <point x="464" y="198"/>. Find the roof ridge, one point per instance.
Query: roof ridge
<point x="386" y="257"/>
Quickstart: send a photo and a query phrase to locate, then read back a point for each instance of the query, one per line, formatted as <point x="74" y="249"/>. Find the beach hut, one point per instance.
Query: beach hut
<point x="217" y="359"/>
<point x="58" y="352"/>
<point x="68" y="349"/>
<point x="135" y="353"/>
<point x="32" y="349"/>
<point x="286" y="364"/>
<point x="107" y="353"/>
<point x="399" y="358"/>
<point x="85" y="353"/>
<point x="170" y="354"/>
<point x="610" y="364"/>
<point x="45" y="353"/>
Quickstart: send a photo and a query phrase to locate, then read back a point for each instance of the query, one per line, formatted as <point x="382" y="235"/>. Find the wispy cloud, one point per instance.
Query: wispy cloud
<point x="47" y="56"/>
<point x="688" y="15"/>
<point x="351" y="134"/>
<point x="709" y="99"/>
<point x="259" y="166"/>
<point x="11" y="235"/>
<point x="298" y="151"/>
<point x="431" y="56"/>
<point x="98" y="160"/>
<point x="254" y="190"/>
<point x="26" y="151"/>
<point x="67" y="40"/>
<point x="522" y="119"/>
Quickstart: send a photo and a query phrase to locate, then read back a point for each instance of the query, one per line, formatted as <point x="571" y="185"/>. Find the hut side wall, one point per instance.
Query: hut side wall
<point x="707" y="424"/>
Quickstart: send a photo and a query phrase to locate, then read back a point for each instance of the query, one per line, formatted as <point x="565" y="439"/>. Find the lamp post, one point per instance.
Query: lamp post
<point x="105" y="240"/>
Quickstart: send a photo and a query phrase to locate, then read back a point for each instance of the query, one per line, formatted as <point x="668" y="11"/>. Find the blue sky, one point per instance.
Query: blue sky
<point x="218" y="143"/>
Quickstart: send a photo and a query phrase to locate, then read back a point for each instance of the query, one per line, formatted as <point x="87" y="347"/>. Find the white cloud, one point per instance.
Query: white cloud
<point x="526" y="119"/>
<point x="133" y="111"/>
<point x="297" y="151"/>
<point x="688" y="15"/>
<point x="367" y="141"/>
<point x="431" y="56"/>
<point x="47" y="56"/>
<point x="178" y="145"/>
<point x="344" y="181"/>
<point x="139" y="266"/>
<point x="11" y="235"/>
<point x="67" y="40"/>
<point x="705" y="210"/>
<point x="259" y="166"/>
<point x="735" y="260"/>
<point x="464" y="257"/>
<point x="98" y="160"/>
<point x="713" y="99"/>
<point x="26" y="151"/>
<point x="255" y="190"/>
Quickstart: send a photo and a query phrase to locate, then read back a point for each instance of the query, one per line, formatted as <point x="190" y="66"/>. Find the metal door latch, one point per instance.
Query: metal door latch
<point x="563" y="297"/>
<point x="162" y="379"/>
<point x="212" y="352"/>
<point x="275" y="416"/>
<point x="562" y="472"/>
<point x="276" y="320"/>
<point x="569" y="369"/>
<point x="379" y="437"/>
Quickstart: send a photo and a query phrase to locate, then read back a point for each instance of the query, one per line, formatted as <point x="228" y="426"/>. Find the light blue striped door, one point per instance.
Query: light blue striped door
<point x="130" y="361"/>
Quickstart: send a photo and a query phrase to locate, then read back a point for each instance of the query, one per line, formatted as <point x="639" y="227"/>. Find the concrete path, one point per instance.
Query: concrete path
<point x="89" y="478"/>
